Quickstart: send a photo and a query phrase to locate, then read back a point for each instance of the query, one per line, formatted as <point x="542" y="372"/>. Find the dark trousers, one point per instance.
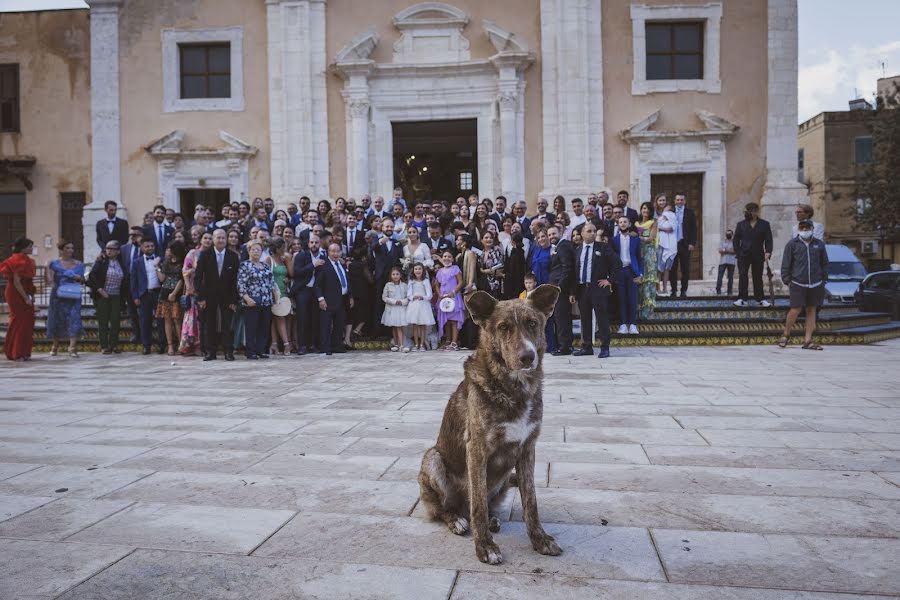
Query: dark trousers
<point x="331" y="327"/>
<point x="147" y="311"/>
<point x="722" y="270"/>
<point x="305" y="316"/>
<point x="376" y="328"/>
<point x="257" y="320"/>
<point x="628" y="296"/>
<point x="591" y="300"/>
<point x="135" y="318"/>
<point x="214" y="319"/>
<point x="682" y="261"/>
<point x="562" y="317"/>
<point x="745" y="264"/>
<point x="109" y="314"/>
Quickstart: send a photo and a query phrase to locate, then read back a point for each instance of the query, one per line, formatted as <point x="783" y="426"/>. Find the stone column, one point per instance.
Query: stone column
<point x="508" y="101"/>
<point x="358" y="158"/>
<point x="105" y="147"/>
<point x="572" y="84"/>
<point x="298" y="115"/>
<point x="782" y="191"/>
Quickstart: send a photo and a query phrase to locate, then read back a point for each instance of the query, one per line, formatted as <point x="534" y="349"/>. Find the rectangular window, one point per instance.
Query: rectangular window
<point x="205" y="70"/>
<point x="863" y="205"/>
<point x="674" y="50"/>
<point x="862" y="151"/>
<point x="465" y="180"/>
<point x="9" y="98"/>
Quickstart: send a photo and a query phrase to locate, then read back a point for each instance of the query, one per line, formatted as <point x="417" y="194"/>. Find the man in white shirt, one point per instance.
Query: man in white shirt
<point x="577" y="217"/>
<point x="805" y="212"/>
<point x="377" y="208"/>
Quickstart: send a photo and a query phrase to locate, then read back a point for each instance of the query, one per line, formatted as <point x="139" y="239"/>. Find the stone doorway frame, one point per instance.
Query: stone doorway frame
<point x="428" y="85"/>
<point x="695" y="151"/>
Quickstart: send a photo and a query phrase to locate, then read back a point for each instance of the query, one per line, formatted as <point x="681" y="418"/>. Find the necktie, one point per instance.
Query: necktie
<point x="584" y="264"/>
<point x="678" y="220"/>
<point x="343" y="279"/>
<point x="352" y="232"/>
<point x="159" y="236"/>
<point x="220" y="258"/>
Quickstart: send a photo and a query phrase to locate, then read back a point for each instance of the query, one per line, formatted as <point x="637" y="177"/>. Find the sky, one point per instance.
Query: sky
<point x="845" y="46"/>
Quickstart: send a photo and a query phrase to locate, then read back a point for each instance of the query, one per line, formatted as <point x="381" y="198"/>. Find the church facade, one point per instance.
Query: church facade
<point x="225" y="100"/>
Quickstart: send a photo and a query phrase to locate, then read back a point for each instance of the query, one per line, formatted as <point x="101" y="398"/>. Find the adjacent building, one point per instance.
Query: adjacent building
<point x="834" y="151"/>
<point x="184" y="101"/>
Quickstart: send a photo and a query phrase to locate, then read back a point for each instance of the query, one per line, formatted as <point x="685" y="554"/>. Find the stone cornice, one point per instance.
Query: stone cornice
<point x="717" y="128"/>
<point x="170" y="147"/>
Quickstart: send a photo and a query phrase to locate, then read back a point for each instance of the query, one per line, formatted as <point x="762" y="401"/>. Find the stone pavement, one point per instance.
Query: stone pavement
<point x="686" y="473"/>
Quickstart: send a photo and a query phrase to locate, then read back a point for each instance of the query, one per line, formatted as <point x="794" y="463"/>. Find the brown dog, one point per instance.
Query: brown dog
<point x="491" y="425"/>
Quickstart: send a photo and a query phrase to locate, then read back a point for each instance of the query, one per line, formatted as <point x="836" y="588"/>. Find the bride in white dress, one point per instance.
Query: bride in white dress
<point x="415" y="251"/>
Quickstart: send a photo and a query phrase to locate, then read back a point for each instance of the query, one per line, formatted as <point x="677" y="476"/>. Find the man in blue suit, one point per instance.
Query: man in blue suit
<point x="332" y="290"/>
<point x="145" y="294"/>
<point x="628" y="249"/>
<point x="306" y="264"/>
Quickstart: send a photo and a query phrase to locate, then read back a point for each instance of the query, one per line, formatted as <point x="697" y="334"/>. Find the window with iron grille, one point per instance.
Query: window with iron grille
<point x="674" y="50"/>
<point x="862" y="150"/>
<point x="465" y="180"/>
<point x="9" y="98"/>
<point x="205" y="70"/>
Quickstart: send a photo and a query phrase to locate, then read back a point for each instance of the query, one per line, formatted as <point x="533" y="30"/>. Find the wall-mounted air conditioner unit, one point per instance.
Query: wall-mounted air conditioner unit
<point x="869" y="246"/>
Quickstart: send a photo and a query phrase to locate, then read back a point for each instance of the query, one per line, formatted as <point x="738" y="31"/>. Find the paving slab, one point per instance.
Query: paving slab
<point x="60" y="519"/>
<point x="620" y="553"/>
<point x="10" y="506"/>
<point x="90" y="455"/>
<point x="213" y="440"/>
<point x="502" y="586"/>
<point x="837" y="564"/>
<point x="634" y="435"/>
<point x="8" y="470"/>
<point x="722" y="480"/>
<point x="719" y="512"/>
<point x="115" y="436"/>
<point x="775" y="458"/>
<point x="323" y="465"/>
<point x="273" y="492"/>
<point x="184" y="527"/>
<point x="788" y="439"/>
<point x="193" y="459"/>
<point x="78" y="482"/>
<point x="192" y="576"/>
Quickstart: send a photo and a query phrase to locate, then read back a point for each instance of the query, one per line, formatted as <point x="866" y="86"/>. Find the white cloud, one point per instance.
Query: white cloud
<point x="830" y="83"/>
<point x="31" y="5"/>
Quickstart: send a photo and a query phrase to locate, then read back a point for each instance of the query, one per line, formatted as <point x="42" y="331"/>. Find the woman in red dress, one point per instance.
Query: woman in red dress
<point x="19" y="272"/>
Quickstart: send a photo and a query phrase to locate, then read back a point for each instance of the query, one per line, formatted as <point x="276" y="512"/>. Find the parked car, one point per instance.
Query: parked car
<point x="880" y="292"/>
<point x="845" y="272"/>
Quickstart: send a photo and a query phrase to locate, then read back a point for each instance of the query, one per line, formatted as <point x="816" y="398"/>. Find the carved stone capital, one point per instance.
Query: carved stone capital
<point x="508" y="100"/>
<point x="358" y="107"/>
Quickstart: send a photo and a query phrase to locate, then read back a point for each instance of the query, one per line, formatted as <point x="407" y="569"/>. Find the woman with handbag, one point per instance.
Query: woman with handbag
<point x="108" y="286"/>
<point x="19" y="271"/>
<point x="191" y="331"/>
<point x="65" y="275"/>
<point x="171" y="285"/>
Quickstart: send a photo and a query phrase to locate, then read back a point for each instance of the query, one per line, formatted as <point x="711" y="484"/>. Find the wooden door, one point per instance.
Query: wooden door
<point x="691" y="185"/>
<point x="71" y="212"/>
<point x="12" y="221"/>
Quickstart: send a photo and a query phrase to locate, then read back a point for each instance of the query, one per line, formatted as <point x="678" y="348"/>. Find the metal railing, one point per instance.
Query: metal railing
<point x="43" y="290"/>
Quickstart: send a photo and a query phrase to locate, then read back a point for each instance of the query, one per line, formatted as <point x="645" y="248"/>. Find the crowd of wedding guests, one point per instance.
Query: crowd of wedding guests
<point x="320" y="278"/>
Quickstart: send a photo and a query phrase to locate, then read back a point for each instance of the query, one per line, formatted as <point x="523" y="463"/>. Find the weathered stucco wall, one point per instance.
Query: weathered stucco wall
<point x="347" y="18"/>
<point x="52" y="51"/>
<point x="743" y="72"/>
<point x="141" y="89"/>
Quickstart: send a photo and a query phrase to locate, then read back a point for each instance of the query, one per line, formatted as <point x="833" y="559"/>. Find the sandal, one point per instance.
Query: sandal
<point x="287" y="349"/>
<point x="811" y="346"/>
<point x="171" y="351"/>
<point x="452" y="346"/>
<point x="782" y="342"/>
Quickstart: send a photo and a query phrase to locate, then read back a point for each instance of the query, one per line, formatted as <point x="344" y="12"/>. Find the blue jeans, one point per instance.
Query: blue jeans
<point x="256" y="323"/>
<point x="628" y="296"/>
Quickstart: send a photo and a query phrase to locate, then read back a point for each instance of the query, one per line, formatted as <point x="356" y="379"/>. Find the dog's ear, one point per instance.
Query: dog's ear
<point x="481" y="305"/>
<point x="544" y="298"/>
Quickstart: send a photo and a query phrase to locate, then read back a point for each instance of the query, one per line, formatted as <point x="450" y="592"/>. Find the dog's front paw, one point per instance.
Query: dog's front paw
<point x="488" y="553"/>
<point x="494" y="524"/>
<point x="546" y="544"/>
<point x="459" y="526"/>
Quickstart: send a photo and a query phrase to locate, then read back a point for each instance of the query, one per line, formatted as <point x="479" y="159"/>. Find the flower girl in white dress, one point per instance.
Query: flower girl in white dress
<point x="395" y="301"/>
<point x="418" y="311"/>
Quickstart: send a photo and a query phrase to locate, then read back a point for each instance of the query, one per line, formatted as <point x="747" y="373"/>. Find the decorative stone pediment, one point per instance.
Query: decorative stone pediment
<point x="503" y="40"/>
<point x="431" y="32"/>
<point x="359" y="49"/>
<point x="716" y="128"/>
<point x="172" y="146"/>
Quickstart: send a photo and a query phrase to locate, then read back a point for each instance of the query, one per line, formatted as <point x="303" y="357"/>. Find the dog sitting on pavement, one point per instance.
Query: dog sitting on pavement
<point x="491" y="425"/>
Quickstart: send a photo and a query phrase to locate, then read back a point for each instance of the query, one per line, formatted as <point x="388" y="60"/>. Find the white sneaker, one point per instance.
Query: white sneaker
<point x="623" y="329"/>
<point x="740" y="302"/>
<point x="765" y="303"/>
<point x="405" y="349"/>
<point x="395" y="348"/>
<point x="633" y="330"/>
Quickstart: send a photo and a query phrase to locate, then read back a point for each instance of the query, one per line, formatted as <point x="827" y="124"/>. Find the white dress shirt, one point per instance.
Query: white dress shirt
<point x="624" y="248"/>
<point x="150" y="270"/>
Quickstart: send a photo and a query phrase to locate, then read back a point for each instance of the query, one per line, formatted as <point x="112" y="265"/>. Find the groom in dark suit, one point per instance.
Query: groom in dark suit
<point x="112" y="227"/>
<point x="215" y="290"/>
<point x="596" y="267"/>
<point x="332" y="289"/>
<point x="306" y="264"/>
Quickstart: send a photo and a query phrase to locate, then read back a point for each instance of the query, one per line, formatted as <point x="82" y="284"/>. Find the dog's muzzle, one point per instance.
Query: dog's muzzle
<point x="527" y="359"/>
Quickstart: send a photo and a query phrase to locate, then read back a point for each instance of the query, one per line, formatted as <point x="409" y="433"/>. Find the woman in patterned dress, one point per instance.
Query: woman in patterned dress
<point x="191" y="331"/>
<point x="64" y="314"/>
<point x="647" y="226"/>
